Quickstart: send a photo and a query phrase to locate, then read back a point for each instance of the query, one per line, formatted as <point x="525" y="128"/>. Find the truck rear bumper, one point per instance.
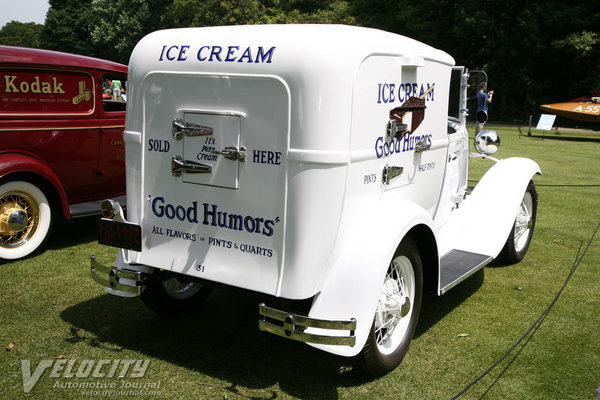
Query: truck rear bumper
<point x="117" y="280"/>
<point x="129" y="283"/>
<point x="304" y="329"/>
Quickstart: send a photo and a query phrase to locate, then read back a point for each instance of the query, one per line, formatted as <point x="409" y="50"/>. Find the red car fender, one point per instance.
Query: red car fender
<point x="11" y="163"/>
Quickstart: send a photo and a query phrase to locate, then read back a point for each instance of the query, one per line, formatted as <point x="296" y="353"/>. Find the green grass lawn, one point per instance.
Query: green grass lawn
<point x="52" y="310"/>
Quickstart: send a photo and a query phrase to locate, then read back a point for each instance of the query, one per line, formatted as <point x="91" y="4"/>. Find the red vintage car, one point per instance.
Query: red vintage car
<point x="61" y="150"/>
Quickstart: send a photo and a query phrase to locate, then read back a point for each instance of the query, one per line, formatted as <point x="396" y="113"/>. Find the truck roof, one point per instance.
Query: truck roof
<point x="280" y="47"/>
<point x="24" y="55"/>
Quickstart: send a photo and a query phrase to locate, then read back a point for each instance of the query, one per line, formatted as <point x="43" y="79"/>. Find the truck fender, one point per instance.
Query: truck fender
<point x="489" y="212"/>
<point x="18" y="163"/>
<point x="367" y="244"/>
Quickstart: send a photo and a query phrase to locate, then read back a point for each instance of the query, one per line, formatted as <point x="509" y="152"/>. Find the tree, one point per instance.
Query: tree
<point x="67" y="27"/>
<point x="119" y="24"/>
<point x="21" y="34"/>
<point x="583" y="48"/>
<point x="186" y="13"/>
<point x="106" y="29"/>
<point x="534" y="52"/>
<point x="318" y="12"/>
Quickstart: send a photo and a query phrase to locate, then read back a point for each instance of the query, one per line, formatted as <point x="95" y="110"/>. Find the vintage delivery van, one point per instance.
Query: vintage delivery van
<point x="62" y="142"/>
<point x="316" y="167"/>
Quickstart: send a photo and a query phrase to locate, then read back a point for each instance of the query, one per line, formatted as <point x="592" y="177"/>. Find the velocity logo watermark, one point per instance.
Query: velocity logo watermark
<point x="93" y="377"/>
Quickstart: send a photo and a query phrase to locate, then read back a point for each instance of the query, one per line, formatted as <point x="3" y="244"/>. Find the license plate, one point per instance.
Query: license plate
<point x="120" y="234"/>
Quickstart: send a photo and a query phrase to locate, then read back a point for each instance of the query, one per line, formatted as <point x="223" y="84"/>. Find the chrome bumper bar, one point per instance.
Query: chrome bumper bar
<point x="118" y="279"/>
<point x="292" y="326"/>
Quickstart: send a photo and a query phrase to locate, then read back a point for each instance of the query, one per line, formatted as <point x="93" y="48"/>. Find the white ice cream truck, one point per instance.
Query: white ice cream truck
<point x="315" y="167"/>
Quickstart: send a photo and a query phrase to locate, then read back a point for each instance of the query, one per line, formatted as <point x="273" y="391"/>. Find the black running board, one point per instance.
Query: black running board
<point x="458" y="265"/>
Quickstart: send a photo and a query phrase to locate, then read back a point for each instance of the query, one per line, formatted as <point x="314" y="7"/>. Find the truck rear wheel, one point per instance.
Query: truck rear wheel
<point x="518" y="241"/>
<point x="174" y="297"/>
<point x="397" y="312"/>
<point x="25" y="219"/>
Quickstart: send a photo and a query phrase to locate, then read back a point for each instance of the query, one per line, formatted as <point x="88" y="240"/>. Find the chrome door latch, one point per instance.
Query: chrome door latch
<point x="422" y="145"/>
<point x="232" y="153"/>
<point x="396" y="129"/>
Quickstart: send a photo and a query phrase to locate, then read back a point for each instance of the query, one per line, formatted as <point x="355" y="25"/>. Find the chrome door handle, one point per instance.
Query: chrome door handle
<point x="390" y="172"/>
<point x="181" y="128"/>
<point x="179" y="166"/>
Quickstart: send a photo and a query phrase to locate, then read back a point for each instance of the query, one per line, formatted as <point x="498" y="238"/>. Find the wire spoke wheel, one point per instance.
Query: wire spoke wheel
<point x="394" y="305"/>
<point x="397" y="312"/>
<point x="19" y="216"/>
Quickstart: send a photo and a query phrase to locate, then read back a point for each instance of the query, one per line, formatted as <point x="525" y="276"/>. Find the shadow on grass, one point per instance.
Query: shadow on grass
<point x="249" y="360"/>
<point x="435" y="307"/>
<point x="66" y="233"/>
<point x="70" y="232"/>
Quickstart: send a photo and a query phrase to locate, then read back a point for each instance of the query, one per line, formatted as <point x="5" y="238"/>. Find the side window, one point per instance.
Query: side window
<point x="454" y="98"/>
<point x="114" y="92"/>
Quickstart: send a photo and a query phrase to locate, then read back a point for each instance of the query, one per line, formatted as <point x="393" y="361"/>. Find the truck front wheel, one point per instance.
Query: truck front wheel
<point x="519" y="239"/>
<point x="397" y="312"/>
<point x="173" y="297"/>
<point x="25" y="219"/>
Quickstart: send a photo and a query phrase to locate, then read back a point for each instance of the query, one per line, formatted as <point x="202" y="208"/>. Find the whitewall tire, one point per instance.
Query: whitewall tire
<point x="25" y="219"/>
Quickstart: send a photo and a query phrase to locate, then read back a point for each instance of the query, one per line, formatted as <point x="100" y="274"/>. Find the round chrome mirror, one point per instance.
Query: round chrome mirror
<point x="487" y="142"/>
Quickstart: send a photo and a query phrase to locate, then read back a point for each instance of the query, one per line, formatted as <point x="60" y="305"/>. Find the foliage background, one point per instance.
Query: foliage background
<point x="534" y="52"/>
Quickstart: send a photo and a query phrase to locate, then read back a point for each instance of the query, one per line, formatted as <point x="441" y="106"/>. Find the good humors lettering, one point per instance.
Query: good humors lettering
<point x="212" y="216"/>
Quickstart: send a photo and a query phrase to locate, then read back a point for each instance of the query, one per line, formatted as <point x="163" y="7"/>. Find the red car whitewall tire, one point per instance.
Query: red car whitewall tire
<point x="25" y="219"/>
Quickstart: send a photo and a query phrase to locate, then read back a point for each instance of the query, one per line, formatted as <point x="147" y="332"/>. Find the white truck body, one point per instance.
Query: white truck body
<point x="263" y="158"/>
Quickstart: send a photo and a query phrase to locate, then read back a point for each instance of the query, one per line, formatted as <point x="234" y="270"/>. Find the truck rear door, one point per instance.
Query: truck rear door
<point x="214" y="176"/>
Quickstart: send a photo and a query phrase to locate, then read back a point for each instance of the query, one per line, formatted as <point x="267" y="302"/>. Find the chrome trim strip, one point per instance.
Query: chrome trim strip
<point x="114" y="277"/>
<point x="310" y="156"/>
<point x="231" y="113"/>
<point x="293" y="327"/>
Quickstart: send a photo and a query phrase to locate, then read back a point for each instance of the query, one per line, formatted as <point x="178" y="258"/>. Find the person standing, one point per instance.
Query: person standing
<point x="116" y="88"/>
<point x="483" y="99"/>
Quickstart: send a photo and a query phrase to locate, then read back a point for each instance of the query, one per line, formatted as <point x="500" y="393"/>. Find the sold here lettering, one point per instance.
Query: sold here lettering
<point x="52" y="86"/>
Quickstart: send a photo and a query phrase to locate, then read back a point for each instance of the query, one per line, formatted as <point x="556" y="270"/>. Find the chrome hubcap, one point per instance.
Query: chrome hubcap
<point x="17" y="220"/>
